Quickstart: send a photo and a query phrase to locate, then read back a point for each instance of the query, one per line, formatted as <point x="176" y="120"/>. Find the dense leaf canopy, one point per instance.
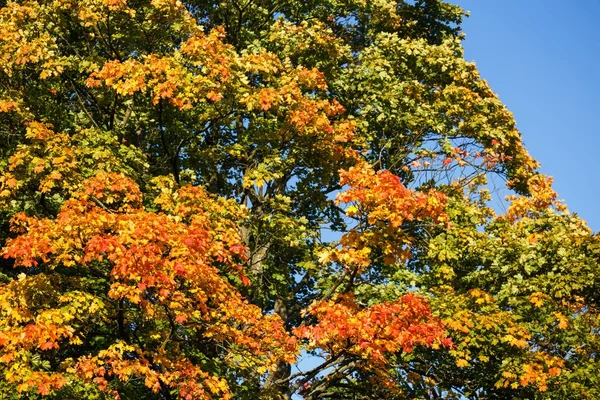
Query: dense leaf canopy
<point x="196" y="195"/>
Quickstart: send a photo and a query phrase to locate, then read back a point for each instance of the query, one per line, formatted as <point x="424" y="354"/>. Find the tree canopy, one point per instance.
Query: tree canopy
<point x="197" y="194"/>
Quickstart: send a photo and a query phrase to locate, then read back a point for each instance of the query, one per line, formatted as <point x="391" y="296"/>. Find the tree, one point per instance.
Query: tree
<point x="170" y="171"/>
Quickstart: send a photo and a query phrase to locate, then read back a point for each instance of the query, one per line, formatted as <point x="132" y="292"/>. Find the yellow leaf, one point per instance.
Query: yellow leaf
<point x="461" y="362"/>
<point x="261" y="369"/>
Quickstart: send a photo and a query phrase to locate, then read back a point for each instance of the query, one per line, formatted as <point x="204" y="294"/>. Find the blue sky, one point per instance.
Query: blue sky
<point x="542" y="58"/>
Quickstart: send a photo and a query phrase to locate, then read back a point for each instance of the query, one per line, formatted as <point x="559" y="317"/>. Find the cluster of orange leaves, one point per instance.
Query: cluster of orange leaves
<point x="168" y="267"/>
<point x="8" y="106"/>
<point x="381" y="204"/>
<point x="372" y="333"/>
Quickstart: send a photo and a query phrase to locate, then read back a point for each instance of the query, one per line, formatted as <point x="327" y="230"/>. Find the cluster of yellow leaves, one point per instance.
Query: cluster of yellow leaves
<point x="194" y="73"/>
<point x="92" y="12"/>
<point x="23" y="330"/>
<point x="28" y="29"/>
<point x="34" y="44"/>
<point x="483" y="322"/>
<point x="382" y="11"/>
<point x="58" y="162"/>
<point x="175" y="14"/>
<point x="48" y="159"/>
<point x="538" y="298"/>
<point x="166" y="266"/>
<point x="541" y="197"/>
<point x="126" y="362"/>
<point x="467" y="322"/>
<point x="284" y="94"/>
<point x="202" y="67"/>
<point x="306" y="37"/>
<point x="382" y="204"/>
<point x="35" y="317"/>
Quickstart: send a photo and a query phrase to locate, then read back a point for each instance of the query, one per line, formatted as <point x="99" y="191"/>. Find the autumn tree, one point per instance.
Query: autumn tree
<point x="195" y="195"/>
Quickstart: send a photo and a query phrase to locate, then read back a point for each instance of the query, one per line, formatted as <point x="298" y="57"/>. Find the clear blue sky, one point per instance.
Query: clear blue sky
<point x="542" y="57"/>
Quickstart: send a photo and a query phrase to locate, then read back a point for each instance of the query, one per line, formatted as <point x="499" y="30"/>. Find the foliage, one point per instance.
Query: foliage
<point x="170" y="174"/>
